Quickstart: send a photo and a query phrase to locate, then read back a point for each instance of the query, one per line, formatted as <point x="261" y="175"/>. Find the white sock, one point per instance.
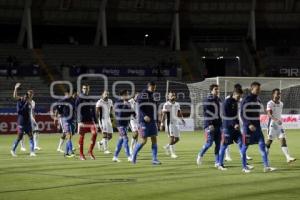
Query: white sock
<point x="35" y="139"/>
<point x="102" y="141"/>
<point x="61" y="142"/>
<point x="105" y="144"/>
<point x="132" y="144"/>
<point x="23" y="143"/>
<point x="227" y="153"/>
<point x="285" y="152"/>
<point x="172" y="149"/>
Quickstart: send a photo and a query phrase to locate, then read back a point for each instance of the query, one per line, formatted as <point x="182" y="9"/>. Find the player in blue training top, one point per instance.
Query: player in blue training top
<point x="58" y="112"/>
<point x="123" y="113"/>
<point x="24" y="124"/>
<point x="252" y="132"/>
<point x="147" y="119"/>
<point x="66" y="111"/>
<point x="212" y="123"/>
<point x="231" y="125"/>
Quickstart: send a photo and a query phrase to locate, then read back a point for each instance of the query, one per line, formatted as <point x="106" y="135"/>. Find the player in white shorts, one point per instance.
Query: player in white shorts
<point x="34" y="125"/>
<point x="134" y="123"/>
<point x="275" y="128"/>
<point x="170" y="112"/>
<point x="104" y="109"/>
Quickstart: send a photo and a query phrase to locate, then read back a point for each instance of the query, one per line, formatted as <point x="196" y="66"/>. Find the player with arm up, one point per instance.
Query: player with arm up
<point x="24" y="124"/>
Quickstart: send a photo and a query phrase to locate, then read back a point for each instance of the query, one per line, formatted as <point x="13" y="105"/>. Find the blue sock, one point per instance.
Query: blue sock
<point x="262" y="148"/>
<point x="31" y="145"/>
<point x="154" y="151"/>
<point x="136" y="150"/>
<point x="205" y="147"/>
<point x="70" y="146"/>
<point x="222" y="154"/>
<point x="15" y="144"/>
<point x="244" y="158"/>
<point x="119" y="147"/>
<point x="126" y="146"/>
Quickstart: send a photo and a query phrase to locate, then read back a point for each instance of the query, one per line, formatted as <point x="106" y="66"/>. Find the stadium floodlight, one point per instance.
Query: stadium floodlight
<point x="146" y="35"/>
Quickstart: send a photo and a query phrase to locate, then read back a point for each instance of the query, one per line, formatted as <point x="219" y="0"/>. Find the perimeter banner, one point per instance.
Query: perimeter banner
<point x="8" y="123"/>
<point x="288" y="121"/>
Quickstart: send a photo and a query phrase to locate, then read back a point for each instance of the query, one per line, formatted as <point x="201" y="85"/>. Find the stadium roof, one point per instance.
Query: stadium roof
<point x="156" y="13"/>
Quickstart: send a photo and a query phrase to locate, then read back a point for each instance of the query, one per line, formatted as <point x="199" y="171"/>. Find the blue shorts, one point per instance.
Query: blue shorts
<point x="24" y="128"/>
<point x="123" y="131"/>
<point x="230" y="135"/>
<point x="213" y="136"/>
<point x="250" y="138"/>
<point x="67" y="126"/>
<point x="147" y="129"/>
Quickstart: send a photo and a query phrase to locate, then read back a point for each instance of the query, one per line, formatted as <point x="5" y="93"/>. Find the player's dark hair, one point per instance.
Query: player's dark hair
<point x="123" y="92"/>
<point x="212" y="86"/>
<point x="238" y="90"/>
<point x="275" y="90"/>
<point x="151" y="83"/>
<point x="255" y="83"/>
<point x="236" y="86"/>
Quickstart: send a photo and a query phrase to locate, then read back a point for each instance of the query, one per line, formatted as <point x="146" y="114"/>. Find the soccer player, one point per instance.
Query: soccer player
<point x="227" y="152"/>
<point x="65" y="110"/>
<point x="24" y="124"/>
<point x="252" y="132"/>
<point x="134" y="123"/>
<point x="70" y="100"/>
<point x="147" y="119"/>
<point x="123" y="113"/>
<point x="275" y="129"/>
<point x="104" y="109"/>
<point x="85" y="110"/>
<point x="171" y="110"/>
<point x="231" y="126"/>
<point x="212" y="124"/>
<point x="34" y="124"/>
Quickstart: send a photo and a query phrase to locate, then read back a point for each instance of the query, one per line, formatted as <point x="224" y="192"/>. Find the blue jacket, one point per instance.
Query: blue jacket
<point x="146" y="106"/>
<point x="211" y="110"/>
<point x="23" y="111"/>
<point x="123" y="112"/>
<point x="230" y="113"/>
<point x="250" y="113"/>
<point x="87" y="113"/>
<point x="65" y="106"/>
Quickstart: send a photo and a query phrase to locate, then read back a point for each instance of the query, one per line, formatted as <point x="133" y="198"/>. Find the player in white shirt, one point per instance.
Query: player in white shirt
<point x="34" y="124"/>
<point x="275" y="128"/>
<point x="170" y="112"/>
<point x="104" y="109"/>
<point x="134" y="123"/>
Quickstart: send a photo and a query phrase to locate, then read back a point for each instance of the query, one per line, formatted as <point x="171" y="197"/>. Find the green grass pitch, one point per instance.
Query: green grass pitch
<point x="51" y="176"/>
